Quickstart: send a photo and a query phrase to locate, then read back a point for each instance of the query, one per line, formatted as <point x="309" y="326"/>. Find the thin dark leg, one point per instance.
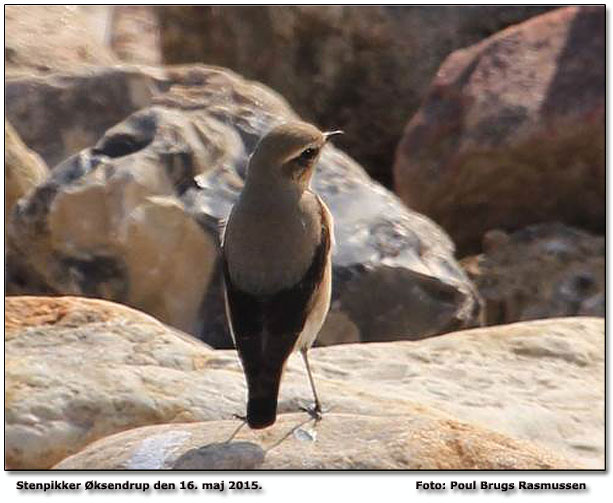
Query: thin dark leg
<point x="316" y="412"/>
<point x="243" y="420"/>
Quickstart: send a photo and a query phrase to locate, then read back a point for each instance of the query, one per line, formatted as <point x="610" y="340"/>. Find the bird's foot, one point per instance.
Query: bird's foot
<point x="315" y="411"/>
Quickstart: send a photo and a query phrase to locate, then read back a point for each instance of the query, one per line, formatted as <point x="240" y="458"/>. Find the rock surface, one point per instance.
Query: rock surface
<point x="135" y="34"/>
<point x="140" y="190"/>
<point x="363" y="69"/>
<point x="339" y="442"/>
<point x="542" y="271"/>
<point x="23" y="169"/>
<point x="81" y="369"/>
<point x="47" y="38"/>
<point x="511" y="131"/>
<point x="59" y="114"/>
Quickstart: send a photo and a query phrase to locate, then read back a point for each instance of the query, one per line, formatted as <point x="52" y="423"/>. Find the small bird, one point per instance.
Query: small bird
<point x="276" y="255"/>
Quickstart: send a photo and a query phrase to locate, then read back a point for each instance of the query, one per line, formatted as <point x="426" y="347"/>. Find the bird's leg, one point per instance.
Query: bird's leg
<point x="315" y="412"/>
<point x="243" y="420"/>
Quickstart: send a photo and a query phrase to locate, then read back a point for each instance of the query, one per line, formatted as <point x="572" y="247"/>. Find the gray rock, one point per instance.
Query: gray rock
<point x="182" y="161"/>
<point x="59" y="114"/>
<point x="542" y="271"/>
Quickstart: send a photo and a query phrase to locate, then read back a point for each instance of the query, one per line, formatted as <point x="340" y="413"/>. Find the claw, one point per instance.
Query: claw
<point x="314" y="411"/>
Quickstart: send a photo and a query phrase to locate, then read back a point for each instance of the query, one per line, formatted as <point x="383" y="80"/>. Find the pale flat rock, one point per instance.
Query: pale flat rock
<point x="341" y="442"/>
<point x="79" y="369"/>
<point x="541" y="380"/>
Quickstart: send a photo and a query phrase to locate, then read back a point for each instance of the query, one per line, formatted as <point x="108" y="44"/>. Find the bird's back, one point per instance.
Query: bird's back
<point x="269" y="245"/>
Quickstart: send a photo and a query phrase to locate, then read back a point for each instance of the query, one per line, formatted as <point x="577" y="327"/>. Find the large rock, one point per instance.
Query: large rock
<point x="135" y="34"/>
<point x="48" y="38"/>
<point x="542" y="271"/>
<point x="23" y="169"/>
<point x="361" y="69"/>
<point x="58" y="115"/>
<point x="512" y="131"/>
<point x="340" y="442"/>
<point x="81" y="369"/>
<point x="54" y="110"/>
<point x="118" y="221"/>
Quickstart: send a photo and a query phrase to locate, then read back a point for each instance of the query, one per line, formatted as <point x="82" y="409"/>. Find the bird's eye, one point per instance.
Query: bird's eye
<point x="308" y="155"/>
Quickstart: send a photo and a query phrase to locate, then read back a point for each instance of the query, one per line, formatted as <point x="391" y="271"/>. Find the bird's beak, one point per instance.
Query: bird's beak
<point x="330" y="134"/>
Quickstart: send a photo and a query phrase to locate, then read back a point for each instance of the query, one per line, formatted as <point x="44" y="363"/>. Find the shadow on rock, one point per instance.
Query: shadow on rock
<point x="222" y="456"/>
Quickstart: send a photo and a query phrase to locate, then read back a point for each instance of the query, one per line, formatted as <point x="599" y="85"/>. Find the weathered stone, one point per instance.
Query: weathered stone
<point x="81" y="369"/>
<point x="118" y="232"/>
<point x="23" y="169"/>
<point x="541" y="381"/>
<point x="59" y="114"/>
<point x="135" y="34"/>
<point x="511" y="132"/>
<point x="542" y="271"/>
<point x="45" y="38"/>
<point x="191" y="149"/>
<point x="363" y="69"/>
<point x="340" y="442"/>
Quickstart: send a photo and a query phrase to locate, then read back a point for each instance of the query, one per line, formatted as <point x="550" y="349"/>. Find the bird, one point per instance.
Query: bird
<point x="276" y="253"/>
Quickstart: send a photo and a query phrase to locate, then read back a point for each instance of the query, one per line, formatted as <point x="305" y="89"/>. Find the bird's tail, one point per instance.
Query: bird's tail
<point x="262" y="403"/>
<point x="263" y="362"/>
<point x="261" y="411"/>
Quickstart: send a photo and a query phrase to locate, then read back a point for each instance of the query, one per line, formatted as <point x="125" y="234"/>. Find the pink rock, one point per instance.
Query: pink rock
<point x="511" y="131"/>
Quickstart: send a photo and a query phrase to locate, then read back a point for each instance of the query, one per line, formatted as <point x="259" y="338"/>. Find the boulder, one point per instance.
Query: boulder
<point x="542" y="271"/>
<point x="511" y="131"/>
<point x="48" y="38"/>
<point x="135" y="219"/>
<point x="59" y="114"/>
<point x="339" y="442"/>
<point x="363" y="69"/>
<point x="23" y="169"/>
<point x="78" y="370"/>
<point x="62" y="91"/>
<point x="135" y="34"/>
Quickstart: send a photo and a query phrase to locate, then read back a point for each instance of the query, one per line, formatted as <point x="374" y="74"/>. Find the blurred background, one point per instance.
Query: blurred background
<point x="486" y="120"/>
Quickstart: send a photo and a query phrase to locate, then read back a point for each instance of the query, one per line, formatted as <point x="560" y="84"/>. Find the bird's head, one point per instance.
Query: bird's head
<point x="286" y="157"/>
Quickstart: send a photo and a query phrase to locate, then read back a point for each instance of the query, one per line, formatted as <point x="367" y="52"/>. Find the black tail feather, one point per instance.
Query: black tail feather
<point x="261" y="411"/>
